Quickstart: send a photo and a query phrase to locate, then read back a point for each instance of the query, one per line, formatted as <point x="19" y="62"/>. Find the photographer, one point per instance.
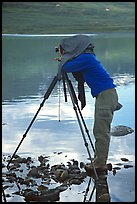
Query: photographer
<point x="78" y="57"/>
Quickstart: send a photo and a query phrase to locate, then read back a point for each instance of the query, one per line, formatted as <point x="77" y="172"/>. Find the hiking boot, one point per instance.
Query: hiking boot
<point x="90" y="170"/>
<point x="89" y="167"/>
<point x="100" y="170"/>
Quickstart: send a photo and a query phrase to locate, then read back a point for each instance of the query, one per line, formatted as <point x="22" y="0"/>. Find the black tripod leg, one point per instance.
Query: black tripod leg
<point x="74" y="99"/>
<point x="52" y="85"/>
<point x="64" y="87"/>
<point x="92" y="192"/>
<point x="76" y="102"/>
<point x="4" y="196"/>
<point x="87" y="131"/>
<point x="87" y="189"/>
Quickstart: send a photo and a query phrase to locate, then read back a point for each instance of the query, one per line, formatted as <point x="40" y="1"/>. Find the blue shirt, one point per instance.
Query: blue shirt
<point x="94" y="74"/>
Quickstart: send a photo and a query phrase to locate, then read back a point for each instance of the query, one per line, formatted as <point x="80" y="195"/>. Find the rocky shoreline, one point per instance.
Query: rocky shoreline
<point x="44" y="183"/>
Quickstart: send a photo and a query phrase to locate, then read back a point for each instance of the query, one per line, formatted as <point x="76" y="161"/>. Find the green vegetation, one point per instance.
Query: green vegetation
<point x="67" y="17"/>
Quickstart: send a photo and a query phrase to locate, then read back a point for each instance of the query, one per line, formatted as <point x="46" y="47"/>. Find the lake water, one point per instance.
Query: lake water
<point x="28" y="68"/>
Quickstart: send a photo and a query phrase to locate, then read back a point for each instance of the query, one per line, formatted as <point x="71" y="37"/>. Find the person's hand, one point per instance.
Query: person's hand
<point x="58" y="59"/>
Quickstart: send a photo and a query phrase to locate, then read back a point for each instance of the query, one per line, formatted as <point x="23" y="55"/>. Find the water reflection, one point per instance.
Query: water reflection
<point x="99" y="188"/>
<point x="102" y="190"/>
<point x="28" y="65"/>
<point x="28" y="69"/>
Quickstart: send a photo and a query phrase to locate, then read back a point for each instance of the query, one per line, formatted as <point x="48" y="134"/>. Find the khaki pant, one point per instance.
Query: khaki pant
<point x="105" y="105"/>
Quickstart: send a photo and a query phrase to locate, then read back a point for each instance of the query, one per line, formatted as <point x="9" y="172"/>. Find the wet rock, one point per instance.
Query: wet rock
<point x="116" y="168"/>
<point x="8" y="158"/>
<point x="18" y="159"/>
<point x="46" y="181"/>
<point x="43" y="160"/>
<point x="57" y="153"/>
<point x="10" y="174"/>
<point x="126" y="166"/>
<point x="58" y="166"/>
<point x="121" y="130"/>
<point x="75" y="181"/>
<point x="82" y="165"/>
<point x="16" y="193"/>
<point x="75" y="171"/>
<point x="124" y="159"/>
<point x="34" y="172"/>
<point x="60" y="174"/>
<point x="20" y="180"/>
<point x="14" y="167"/>
<point x="109" y="166"/>
<point x="16" y="156"/>
<point x="80" y="176"/>
<point x="69" y="175"/>
<point x="119" y="164"/>
<point x="46" y="196"/>
<point x="30" y="195"/>
<point x="4" y="123"/>
<point x="74" y="166"/>
<point x="66" y="175"/>
<point x="8" y="195"/>
<point x="74" y="163"/>
<point x="114" y="171"/>
<point x="28" y="182"/>
<point x="62" y="188"/>
<point x="7" y="186"/>
<point x="42" y="188"/>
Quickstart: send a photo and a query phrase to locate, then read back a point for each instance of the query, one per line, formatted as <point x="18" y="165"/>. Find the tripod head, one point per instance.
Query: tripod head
<point x="59" y="49"/>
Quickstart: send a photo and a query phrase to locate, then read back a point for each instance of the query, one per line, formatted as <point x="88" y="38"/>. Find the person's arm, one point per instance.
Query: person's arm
<point x="77" y="64"/>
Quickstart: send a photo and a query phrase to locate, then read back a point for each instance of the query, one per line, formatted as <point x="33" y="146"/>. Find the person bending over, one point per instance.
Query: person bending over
<point x="78" y="58"/>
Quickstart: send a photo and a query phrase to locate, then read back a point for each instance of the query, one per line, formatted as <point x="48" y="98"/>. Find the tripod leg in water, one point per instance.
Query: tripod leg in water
<point x="74" y="101"/>
<point x="87" y="190"/>
<point x="4" y="196"/>
<point x="48" y="92"/>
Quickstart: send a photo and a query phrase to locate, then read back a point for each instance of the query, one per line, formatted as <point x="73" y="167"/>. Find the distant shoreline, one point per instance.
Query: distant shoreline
<point x="65" y="35"/>
<point x="46" y="35"/>
<point x="65" y="17"/>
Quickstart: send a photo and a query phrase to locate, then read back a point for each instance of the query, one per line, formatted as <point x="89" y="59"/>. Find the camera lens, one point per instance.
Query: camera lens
<point x="56" y="49"/>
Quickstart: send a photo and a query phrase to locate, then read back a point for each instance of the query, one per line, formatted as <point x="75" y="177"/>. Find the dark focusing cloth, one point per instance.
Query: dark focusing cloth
<point x="81" y="91"/>
<point x="74" y="46"/>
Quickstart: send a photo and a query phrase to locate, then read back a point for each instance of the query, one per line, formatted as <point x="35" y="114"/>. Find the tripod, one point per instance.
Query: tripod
<point x="66" y="80"/>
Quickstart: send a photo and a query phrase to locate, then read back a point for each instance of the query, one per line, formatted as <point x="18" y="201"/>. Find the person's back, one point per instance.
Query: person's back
<point x="94" y="74"/>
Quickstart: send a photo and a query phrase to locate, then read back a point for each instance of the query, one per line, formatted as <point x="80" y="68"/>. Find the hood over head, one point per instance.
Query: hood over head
<point x="74" y="46"/>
